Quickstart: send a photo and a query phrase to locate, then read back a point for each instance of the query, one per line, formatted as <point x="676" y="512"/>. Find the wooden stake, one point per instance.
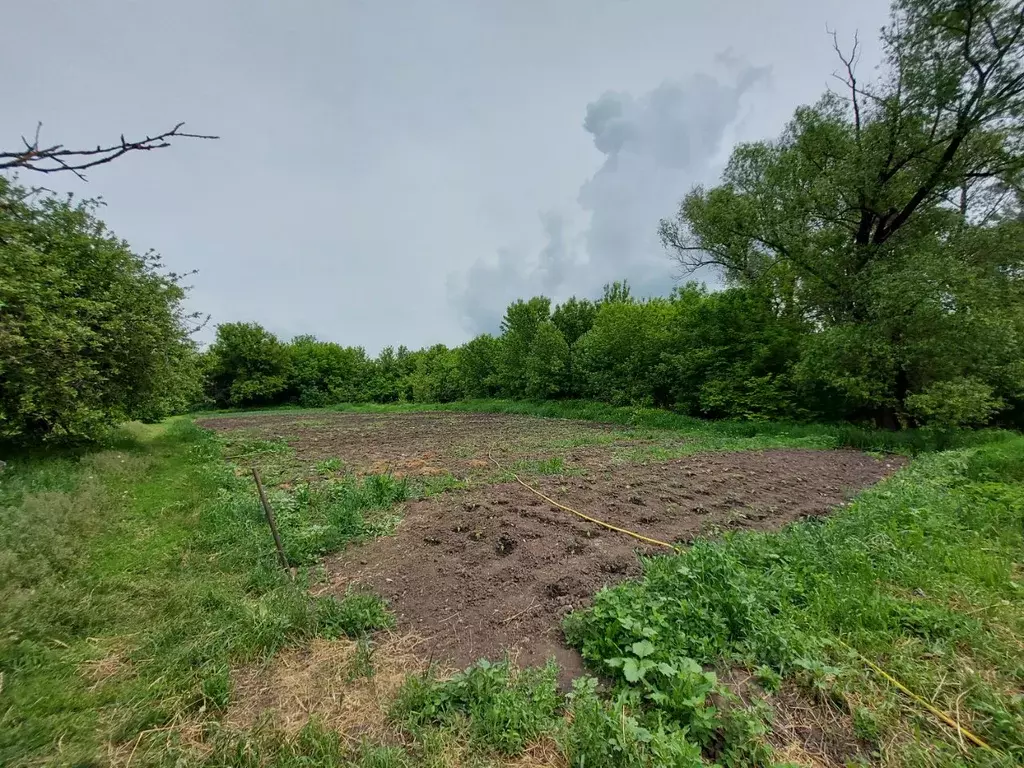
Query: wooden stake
<point x="270" y="519"/>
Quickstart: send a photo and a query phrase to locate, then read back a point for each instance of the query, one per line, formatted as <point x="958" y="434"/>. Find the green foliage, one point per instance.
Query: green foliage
<point x="91" y="334"/>
<point x="478" y="362"/>
<point x="247" y="365"/>
<point x="608" y="733"/>
<point x="151" y="557"/>
<point x="321" y="518"/>
<point x="898" y="574"/>
<point x="574" y="317"/>
<point x="879" y="218"/>
<point x="547" y="364"/>
<point x="504" y="709"/>
<point x="354" y="615"/>
<point x="619" y="359"/>
<point x="731" y="355"/>
<point x="323" y="373"/>
<point x="964" y="402"/>
<point x="523" y="320"/>
<point x="437" y="377"/>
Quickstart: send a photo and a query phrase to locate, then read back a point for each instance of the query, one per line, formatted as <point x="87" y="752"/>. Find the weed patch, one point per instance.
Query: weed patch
<point x="501" y="708"/>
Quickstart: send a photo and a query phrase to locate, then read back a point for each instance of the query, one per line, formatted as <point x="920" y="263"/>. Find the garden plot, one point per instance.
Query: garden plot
<point x="493" y="568"/>
<point x="496" y="568"/>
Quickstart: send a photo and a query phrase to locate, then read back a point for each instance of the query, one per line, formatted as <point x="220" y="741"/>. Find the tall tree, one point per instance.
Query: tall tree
<point x="865" y="215"/>
<point x="247" y="365"/>
<point x="519" y="328"/>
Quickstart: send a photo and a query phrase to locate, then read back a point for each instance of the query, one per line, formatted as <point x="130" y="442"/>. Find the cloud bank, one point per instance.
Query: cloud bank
<point x="655" y="147"/>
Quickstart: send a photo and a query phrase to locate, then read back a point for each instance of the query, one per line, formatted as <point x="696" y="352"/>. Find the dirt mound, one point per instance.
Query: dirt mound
<point x="496" y="568"/>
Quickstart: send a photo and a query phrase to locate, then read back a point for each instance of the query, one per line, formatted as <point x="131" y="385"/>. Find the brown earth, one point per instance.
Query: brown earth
<point x="495" y="568"/>
<point x="425" y="443"/>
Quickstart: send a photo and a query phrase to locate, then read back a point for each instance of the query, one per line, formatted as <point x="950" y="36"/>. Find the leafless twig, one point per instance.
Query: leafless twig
<point x="57" y="158"/>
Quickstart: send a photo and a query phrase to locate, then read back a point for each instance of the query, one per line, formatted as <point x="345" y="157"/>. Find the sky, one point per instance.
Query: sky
<point x="397" y="172"/>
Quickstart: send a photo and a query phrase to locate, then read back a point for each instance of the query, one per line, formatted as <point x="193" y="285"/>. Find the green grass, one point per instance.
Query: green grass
<point x="131" y="579"/>
<point x="496" y="706"/>
<point x="921" y="574"/>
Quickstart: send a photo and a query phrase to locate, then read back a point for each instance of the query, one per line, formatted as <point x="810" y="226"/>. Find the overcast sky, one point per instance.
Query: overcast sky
<point x="397" y="172"/>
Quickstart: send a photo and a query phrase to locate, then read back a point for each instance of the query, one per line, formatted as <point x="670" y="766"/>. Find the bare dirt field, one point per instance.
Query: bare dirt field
<point x="497" y="568"/>
<point x="494" y="568"/>
<point x="429" y="443"/>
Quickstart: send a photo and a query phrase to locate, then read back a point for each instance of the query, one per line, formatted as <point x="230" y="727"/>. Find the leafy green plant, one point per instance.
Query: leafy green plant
<point x="317" y="519"/>
<point x="93" y="333"/>
<point x="327" y="466"/>
<point x="792" y="603"/>
<point x="608" y="733"/>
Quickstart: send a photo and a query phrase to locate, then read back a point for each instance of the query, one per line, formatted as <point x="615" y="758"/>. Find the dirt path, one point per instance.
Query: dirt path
<point x="496" y="568"/>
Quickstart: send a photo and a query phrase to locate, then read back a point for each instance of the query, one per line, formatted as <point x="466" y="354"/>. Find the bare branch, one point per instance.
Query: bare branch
<point x="850" y="63"/>
<point x="57" y="158"/>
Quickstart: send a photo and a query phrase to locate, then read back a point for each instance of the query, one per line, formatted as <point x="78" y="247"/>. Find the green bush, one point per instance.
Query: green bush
<point x="91" y="333"/>
<point x="886" y="573"/>
<point x="608" y="734"/>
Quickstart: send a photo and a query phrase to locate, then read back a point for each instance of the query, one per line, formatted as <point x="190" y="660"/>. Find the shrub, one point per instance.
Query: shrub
<point x="91" y="333"/>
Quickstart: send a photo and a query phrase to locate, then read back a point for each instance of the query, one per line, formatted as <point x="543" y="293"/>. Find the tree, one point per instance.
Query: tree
<point x="436" y="378"/>
<point x="322" y="373"/>
<point x="519" y="329"/>
<point x="547" y="365"/>
<point x="56" y="158"/>
<point x="247" y="366"/>
<point x="617" y="291"/>
<point x="574" y="317"/>
<point x="731" y="354"/>
<point x="619" y="360"/>
<point x="477" y="363"/>
<point x="91" y="333"/>
<point x="865" y="215"/>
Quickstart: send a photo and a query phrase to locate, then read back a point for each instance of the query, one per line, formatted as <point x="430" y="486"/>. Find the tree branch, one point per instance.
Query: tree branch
<point x="57" y="158"/>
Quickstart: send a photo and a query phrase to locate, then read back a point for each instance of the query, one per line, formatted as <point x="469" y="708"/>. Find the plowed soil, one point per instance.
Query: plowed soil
<point x="411" y="444"/>
<point x="495" y="568"/>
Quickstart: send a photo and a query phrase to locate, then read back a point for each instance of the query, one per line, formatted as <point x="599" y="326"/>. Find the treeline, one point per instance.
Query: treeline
<point x="724" y="354"/>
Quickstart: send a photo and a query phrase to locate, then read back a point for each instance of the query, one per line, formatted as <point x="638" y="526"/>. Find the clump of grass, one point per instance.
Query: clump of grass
<point x="919" y="573"/>
<point x="501" y="708"/>
<point x="608" y="733"/>
<point x="327" y="466"/>
<point x="317" y="519"/>
<point x="354" y="615"/>
<point x="434" y="485"/>
<point x="554" y="465"/>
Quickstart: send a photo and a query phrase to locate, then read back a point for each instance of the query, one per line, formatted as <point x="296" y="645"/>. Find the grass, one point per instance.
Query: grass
<point x="136" y="580"/>
<point x="131" y="580"/>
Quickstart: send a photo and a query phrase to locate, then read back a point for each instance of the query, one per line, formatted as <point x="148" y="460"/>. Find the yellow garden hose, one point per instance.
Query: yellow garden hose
<point x="926" y="704"/>
<point x="588" y="518"/>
